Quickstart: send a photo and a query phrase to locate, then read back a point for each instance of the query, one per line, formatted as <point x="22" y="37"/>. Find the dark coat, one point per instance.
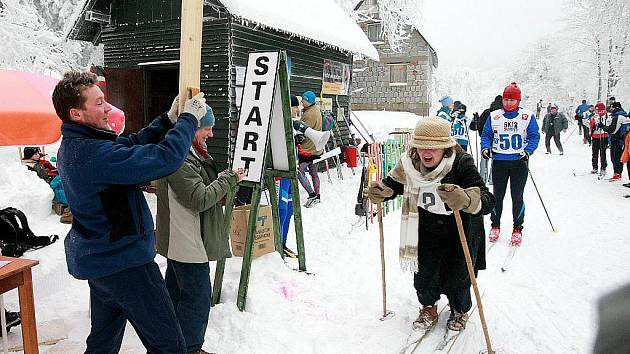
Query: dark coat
<point x="496" y="104"/>
<point x="112" y="228"/>
<point x="555" y="124"/>
<point x="439" y="248"/>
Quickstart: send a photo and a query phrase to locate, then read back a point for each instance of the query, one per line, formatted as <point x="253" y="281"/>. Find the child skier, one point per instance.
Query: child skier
<point x="430" y="243"/>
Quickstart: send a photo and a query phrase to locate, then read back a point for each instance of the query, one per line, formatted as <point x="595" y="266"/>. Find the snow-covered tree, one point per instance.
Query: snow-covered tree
<point x="34" y="46"/>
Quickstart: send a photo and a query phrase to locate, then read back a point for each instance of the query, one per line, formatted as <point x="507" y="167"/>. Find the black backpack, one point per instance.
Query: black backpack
<point x="15" y="235"/>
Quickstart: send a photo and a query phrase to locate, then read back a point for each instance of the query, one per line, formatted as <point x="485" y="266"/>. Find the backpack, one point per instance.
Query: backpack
<point x="328" y="121"/>
<point x="15" y="235"/>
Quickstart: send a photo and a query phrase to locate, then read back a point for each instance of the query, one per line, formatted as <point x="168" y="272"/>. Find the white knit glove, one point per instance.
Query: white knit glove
<point x="172" y="113"/>
<point x="196" y="106"/>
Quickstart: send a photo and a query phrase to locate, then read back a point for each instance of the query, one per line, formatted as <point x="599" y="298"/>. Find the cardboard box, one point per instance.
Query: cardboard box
<point x="263" y="238"/>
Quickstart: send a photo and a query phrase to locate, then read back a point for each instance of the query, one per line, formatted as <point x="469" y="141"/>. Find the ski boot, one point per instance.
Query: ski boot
<point x="13" y="319"/>
<point x="427" y="318"/>
<point x="494" y="234"/>
<point x="312" y="200"/>
<point x="615" y="177"/>
<point x="457" y="321"/>
<point x="289" y="253"/>
<point x="517" y="237"/>
<point x="594" y="171"/>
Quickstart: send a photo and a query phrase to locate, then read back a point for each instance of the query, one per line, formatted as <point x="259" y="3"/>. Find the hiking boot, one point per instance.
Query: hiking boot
<point x="517" y="237"/>
<point x="312" y="200"/>
<point x="13" y="319"/>
<point x="494" y="234"/>
<point x="428" y="318"/>
<point x="615" y="177"/>
<point x="561" y="152"/>
<point x="594" y="171"/>
<point x="288" y="253"/>
<point x="602" y="172"/>
<point x="457" y="321"/>
<point x="66" y="217"/>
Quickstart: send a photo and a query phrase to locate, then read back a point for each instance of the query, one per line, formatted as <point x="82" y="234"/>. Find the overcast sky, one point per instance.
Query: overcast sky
<point x="487" y="33"/>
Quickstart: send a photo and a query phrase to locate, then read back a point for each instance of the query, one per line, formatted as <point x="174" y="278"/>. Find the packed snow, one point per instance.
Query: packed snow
<point x="545" y="302"/>
<point x="325" y="22"/>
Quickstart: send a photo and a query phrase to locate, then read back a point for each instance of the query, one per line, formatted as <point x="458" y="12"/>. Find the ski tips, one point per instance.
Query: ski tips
<point x="389" y="315"/>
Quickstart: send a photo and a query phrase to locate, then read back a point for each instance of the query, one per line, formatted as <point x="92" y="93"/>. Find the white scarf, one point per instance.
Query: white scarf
<point x="414" y="180"/>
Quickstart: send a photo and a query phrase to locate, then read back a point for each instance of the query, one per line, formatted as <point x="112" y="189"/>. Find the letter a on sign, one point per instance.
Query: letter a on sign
<point x="255" y="114"/>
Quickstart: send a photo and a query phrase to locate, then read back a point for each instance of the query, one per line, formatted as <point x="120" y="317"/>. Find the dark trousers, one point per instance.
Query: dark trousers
<point x="587" y="134"/>
<point x="138" y="295"/>
<point x="556" y="139"/>
<point x="616" y="149"/>
<point x="440" y="261"/>
<point x="598" y="148"/>
<point x="516" y="171"/>
<point x="580" y="125"/>
<point x="190" y="290"/>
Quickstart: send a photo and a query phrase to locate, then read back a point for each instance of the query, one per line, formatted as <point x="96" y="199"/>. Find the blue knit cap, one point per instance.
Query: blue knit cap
<point x="446" y="101"/>
<point x="207" y="121"/>
<point x="309" y="96"/>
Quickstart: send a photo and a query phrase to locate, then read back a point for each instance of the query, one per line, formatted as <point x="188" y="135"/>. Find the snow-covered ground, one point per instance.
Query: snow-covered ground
<point x="544" y="303"/>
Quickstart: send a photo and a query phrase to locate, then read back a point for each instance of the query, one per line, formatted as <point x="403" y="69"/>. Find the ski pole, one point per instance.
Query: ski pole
<point x="539" y="197"/>
<point x="571" y="133"/>
<point x="386" y="314"/>
<point x="471" y="274"/>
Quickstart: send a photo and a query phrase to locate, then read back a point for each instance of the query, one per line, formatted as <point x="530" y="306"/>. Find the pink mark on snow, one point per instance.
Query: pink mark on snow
<point x="287" y="290"/>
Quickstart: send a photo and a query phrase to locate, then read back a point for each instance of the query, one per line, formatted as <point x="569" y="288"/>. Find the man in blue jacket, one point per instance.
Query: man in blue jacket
<point x="111" y="242"/>
<point x="510" y="135"/>
<point x="579" y="114"/>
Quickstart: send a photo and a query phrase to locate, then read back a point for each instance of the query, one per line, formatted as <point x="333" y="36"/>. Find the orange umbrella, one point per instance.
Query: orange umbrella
<point x="27" y="115"/>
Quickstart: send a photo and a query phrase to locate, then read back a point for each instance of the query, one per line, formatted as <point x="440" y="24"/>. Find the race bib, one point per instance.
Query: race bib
<point x="429" y="200"/>
<point x="458" y="131"/>
<point x="510" y="135"/>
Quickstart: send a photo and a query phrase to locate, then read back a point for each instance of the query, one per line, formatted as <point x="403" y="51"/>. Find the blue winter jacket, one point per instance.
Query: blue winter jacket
<point x="581" y="109"/>
<point x="533" y="137"/>
<point x="112" y="228"/>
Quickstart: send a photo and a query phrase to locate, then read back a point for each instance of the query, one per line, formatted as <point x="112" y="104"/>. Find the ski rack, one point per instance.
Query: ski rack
<point x="269" y="173"/>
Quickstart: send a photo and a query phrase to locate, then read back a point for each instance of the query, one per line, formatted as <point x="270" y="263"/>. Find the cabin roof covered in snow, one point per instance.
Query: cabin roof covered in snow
<point x="323" y="21"/>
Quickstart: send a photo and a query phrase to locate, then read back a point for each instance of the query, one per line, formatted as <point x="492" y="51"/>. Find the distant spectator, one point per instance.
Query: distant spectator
<point x="579" y="114"/>
<point x="311" y="116"/>
<point x="586" y="117"/>
<point x="34" y="160"/>
<point x="446" y="109"/>
<point x="554" y="124"/>
<point x="549" y="108"/>
<point x="539" y="107"/>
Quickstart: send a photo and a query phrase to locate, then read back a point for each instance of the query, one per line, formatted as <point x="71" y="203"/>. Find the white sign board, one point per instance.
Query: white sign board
<point x="255" y="114"/>
<point x="280" y="154"/>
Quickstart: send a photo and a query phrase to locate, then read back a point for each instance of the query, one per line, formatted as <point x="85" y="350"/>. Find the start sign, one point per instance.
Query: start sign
<point x="255" y="114"/>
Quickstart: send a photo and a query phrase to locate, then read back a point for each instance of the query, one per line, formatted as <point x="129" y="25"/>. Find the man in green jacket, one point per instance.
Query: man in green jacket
<point x="553" y="124"/>
<point x="191" y="232"/>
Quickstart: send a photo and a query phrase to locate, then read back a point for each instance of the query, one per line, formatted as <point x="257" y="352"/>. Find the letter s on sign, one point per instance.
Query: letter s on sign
<point x="261" y="63"/>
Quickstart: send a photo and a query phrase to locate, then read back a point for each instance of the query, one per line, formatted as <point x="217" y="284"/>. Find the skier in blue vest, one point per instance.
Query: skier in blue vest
<point x="510" y="135"/>
<point x="459" y="127"/>
<point x="446" y="109"/>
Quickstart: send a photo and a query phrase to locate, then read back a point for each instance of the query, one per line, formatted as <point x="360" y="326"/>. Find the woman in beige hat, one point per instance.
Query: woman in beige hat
<point x="430" y="245"/>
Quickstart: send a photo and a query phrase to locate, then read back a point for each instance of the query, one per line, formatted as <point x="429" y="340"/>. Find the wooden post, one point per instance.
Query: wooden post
<point x="218" y="273"/>
<point x="190" y="49"/>
<point x="249" y="248"/>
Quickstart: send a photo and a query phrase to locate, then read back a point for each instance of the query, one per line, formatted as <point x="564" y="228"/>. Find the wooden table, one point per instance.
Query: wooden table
<point x="17" y="274"/>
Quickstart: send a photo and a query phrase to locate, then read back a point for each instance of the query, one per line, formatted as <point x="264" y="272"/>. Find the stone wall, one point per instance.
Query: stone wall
<point x="371" y="80"/>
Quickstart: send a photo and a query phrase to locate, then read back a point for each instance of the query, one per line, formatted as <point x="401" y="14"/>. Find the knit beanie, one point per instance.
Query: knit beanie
<point x="446" y="101"/>
<point x="207" y="121"/>
<point x="432" y="133"/>
<point x="600" y="106"/>
<point x="309" y="97"/>
<point x="294" y="101"/>
<point x="512" y="91"/>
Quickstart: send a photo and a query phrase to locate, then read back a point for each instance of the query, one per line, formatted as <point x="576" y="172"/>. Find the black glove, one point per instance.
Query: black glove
<point x="485" y="153"/>
<point x="524" y="156"/>
<point x="299" y="138"/>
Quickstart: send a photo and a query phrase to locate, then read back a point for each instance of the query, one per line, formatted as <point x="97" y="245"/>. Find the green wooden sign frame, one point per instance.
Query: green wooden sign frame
<point x="267" y="181"/>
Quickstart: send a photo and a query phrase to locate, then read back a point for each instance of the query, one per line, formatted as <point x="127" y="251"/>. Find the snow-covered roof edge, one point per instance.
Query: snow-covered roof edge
<point x="326" y="23"/>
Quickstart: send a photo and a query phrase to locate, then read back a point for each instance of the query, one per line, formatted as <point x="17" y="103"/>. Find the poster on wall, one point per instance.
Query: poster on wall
<point x="336" y="78"/>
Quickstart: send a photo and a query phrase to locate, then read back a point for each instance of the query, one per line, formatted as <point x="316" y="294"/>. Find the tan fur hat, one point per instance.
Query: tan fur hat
<point x="432" y="133"/>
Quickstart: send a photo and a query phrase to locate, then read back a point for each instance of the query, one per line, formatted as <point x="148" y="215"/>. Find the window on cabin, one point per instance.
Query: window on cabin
<point x="375" y="32"/>
<point x="398" y="73"/>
